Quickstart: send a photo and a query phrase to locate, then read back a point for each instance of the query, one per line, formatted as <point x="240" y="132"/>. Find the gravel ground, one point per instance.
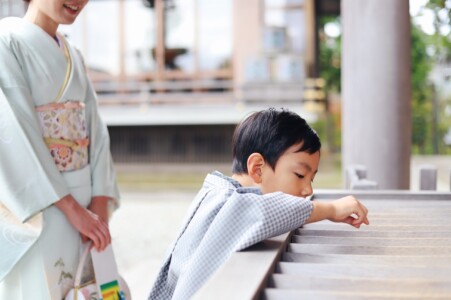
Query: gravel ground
<point x="142" y="230"/>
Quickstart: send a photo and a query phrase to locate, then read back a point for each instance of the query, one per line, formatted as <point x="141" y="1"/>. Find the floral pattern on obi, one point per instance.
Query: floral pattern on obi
<point x="65" y="133"/>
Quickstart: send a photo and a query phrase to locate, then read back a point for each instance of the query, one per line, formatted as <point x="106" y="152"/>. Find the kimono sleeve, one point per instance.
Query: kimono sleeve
<point x="29" y="179"/>
<point x="245" y="219"/>
<point x="259" y="217"/>
<point x="102" y="167"/>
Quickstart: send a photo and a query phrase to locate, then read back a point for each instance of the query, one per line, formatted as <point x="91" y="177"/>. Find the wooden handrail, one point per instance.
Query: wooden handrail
<point x="245" y="274"/>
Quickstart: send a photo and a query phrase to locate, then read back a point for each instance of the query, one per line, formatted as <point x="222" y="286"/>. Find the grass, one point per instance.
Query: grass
<point x="160" y="177"/>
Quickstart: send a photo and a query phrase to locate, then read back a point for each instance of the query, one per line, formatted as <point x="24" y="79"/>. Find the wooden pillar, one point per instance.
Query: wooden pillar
<point x="122" y="72"/>
<point x="247" y="37"/>
<point x="376" y="89"/>
<point x="159" y="47"/>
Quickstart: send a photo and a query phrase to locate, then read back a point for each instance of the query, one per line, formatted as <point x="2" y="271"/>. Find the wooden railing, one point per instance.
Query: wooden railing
<point x="405" y="253"/>
<point x="160" y="92"/>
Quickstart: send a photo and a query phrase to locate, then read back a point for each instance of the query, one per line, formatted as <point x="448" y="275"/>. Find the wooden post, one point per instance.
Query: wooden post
<point x="160" y="47"/>
<point x="428" y="178"/>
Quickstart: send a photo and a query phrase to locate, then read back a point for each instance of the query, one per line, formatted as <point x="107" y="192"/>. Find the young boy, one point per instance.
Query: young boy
<point x="275" y="159"/>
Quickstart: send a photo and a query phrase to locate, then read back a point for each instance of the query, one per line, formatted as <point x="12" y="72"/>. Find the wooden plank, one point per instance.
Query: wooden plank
<point x="368" y="250"/>
<point x="141" y="86"/>
<point x="375" y="233"/>
<point x="406" y="219"/>
<point x="372" y="241"/>
<point x="349" y="259"/>
<point x="412" y="219"/>
<point x="414" y="209"/>
<point x="245" y="273"/>
<point x="139" y="98"/>
<point x="367" y="271"/>
<point x="347" y="227"/>
<point x="279" y="294"/>
<point x="359" y="285"/>
<point x="380" y="195"/>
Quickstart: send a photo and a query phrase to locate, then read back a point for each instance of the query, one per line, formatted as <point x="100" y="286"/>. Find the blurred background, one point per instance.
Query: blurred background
<point x="174" y="77"/>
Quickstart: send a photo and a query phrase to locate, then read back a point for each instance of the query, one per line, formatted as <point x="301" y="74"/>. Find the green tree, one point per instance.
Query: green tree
<point x="330" y="56"/>
<point x="421" y="107"/>
<point x="421" y="65"/>
<point x="440" y="40"/>
<point x="329" y="124"/>
<point x="439" y="52"/>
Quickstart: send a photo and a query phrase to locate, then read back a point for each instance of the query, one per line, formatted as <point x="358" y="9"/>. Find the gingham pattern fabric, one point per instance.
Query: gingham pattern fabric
<point x="224" y="217"/>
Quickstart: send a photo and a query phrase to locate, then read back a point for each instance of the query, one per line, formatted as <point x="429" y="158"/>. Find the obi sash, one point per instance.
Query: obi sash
<point x="65" y="133"/>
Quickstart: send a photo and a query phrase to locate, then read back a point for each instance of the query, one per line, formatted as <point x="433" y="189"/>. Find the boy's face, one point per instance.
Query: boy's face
<point x="293" y="174"/>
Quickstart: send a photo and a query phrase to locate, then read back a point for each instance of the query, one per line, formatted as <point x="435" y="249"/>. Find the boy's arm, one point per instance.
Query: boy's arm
<point x="347" y="210"/>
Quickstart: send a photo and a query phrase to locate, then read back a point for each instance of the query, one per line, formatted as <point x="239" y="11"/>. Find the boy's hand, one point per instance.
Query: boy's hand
<point x="349" y="210"/>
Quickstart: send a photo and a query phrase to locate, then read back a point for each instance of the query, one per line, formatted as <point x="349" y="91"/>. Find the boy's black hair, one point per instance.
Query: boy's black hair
<point x="271" y="132"/>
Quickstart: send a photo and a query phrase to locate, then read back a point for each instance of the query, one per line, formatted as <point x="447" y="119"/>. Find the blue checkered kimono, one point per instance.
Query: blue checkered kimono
<point x="224" y="217"/>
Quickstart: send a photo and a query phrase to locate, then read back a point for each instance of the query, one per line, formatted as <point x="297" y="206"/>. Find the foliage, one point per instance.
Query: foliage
<point x="439" y="46"/>
<point x="328" y="125"/>
<point x="330" y="56"/>
<point x="441" y="41"/>
<point x="421" y="107"/>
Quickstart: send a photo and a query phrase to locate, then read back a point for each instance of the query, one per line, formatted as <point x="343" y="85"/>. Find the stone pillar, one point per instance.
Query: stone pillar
<point x="376" y="89"/>
<point x="428" y="178"/>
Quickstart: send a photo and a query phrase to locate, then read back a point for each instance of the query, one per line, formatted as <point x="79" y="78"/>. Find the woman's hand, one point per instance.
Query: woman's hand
<point x="86" y="222"/>
<point x="99" y="206"/>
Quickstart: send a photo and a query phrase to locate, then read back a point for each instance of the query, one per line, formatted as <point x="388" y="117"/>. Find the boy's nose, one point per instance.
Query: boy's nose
<point x="307" y="190"/>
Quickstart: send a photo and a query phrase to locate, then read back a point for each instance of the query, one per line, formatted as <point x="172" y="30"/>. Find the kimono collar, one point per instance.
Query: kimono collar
<point x="33" y="33"/>
<point x="218" y="179"/>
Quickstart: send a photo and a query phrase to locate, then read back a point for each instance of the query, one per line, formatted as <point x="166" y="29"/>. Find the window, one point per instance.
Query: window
<point x="168" y="39"/>
<point x="215" y="34"/>
<point x="12" y="8"/>
<point x="95" y="32"/>
<point x="140" y="38"/>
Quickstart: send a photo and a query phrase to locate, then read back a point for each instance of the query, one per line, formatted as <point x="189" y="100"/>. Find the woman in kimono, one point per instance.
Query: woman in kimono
<point x="57" y="181"/>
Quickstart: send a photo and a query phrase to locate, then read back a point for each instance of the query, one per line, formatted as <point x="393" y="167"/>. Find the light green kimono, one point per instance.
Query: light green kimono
<point x="39" y="249"/>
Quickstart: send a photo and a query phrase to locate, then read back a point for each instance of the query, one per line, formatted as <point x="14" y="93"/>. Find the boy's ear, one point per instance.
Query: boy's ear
<point x="255" y="163"/>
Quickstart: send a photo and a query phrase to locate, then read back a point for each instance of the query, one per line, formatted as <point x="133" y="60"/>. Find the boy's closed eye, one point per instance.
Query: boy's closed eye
<point x="299" y="175"/>
<point x="302" y="176"/>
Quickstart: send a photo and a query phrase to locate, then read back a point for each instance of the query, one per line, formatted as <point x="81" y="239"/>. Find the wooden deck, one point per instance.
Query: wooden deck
<point x="405" y="253"/>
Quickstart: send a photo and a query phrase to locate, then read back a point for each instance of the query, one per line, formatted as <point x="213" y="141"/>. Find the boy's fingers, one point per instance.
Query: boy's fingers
<point x="360" y="217"/>
<point x="349" y="220"/>
<point x="361" y="214"/>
